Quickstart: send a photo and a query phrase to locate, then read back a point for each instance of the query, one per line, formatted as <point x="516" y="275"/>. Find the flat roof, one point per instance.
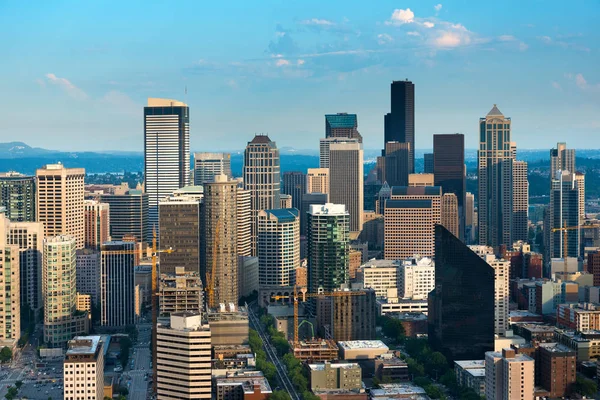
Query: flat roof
<point x="83" y="345"/>
<point x="476" y="372"/>
<point x="321" y="367"/>
<point x="469" y="364"/>
<point x="397" y="389"/>
<point x="362" y="344"/>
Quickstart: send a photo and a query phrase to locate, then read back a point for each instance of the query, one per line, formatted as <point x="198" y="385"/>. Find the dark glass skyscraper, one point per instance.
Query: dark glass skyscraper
<point x="400" y="122"/>
<point x="428" y="163"/>
<point x="397" y="160"/>
<point x="294" y="184"/>
<point x="342" y="125"/>
<point x="461" y="307"/>
<point x="17" y="195"/>
<point x="449" y="170"/>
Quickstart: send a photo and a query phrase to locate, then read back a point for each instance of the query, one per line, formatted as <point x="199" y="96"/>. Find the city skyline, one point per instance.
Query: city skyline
<point x="101" y="77"/>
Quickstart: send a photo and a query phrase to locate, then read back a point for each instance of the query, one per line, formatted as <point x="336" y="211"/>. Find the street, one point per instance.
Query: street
<point x="141" y="372"/>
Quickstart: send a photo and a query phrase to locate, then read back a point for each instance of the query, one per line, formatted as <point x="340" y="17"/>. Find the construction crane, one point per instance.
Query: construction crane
<point x="155" y="253"/>
<point x="210" y="276"/>
<point x="295" y="298"/>
<point x="565" y="229"/>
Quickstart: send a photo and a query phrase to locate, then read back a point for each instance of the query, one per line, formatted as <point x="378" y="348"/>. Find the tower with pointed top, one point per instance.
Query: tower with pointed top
<point x="495" y="160"/>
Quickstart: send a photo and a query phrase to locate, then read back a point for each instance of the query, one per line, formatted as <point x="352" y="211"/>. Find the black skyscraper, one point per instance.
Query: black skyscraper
<point x="428" y="163"/>
<point x="294" y="184"/>
<point x="400" y="122"/>
<point x="449" y="170"/>
<point x="461" y="307"/>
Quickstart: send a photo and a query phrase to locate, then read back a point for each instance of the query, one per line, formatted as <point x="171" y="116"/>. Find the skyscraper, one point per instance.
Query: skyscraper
<point x="470" y="218"/>
<point x="450" y="218"/>
<point x="562" y="159"/>
<point x="166" y="151"/>
<point x="449" y="170"/>
<point x="17" y="196"/>
<point x="117" y="288"/>
<point x="399" y="124"/>
<point x="342" y="125"/>
<point x="509" y="376"/>
<point x="179" y="229"/>
<point x="129" y="215"/>
<point x="397" y="163"/>
<point x="88" y="274"/>
<point x="495" y="158"/>
<point x="294" y="184"/>
<point x="580" y="179"/>
<point x="325" y="144"/>
<point x="520" y="201"/>
<point x="207" y="165"/>
<point x="463" y="300"/>
<point x="428" y="160"/>
<point x="317" y="180"/>
<point x="346" y="176"/>
<point x="328" y="247"/>
<point x="97" y="223"/>
<point x="278" y="247"/>
<point x="564" y="212"/>
<point x="308" y="200"/>
<point x="59" y="201"/>
<point x="244" y="222"/>
<point x="219" y="241"/>
<point x="261" y="177"/>
<point x="10" y="289"/>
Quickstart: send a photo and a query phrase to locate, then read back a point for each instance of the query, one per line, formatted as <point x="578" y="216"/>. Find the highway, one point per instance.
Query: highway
<point x="282" y="373"/>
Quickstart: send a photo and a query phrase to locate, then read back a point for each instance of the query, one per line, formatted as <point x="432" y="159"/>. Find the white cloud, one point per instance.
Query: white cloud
<point x="400" y="17"/>
<point x="506" y="38"/>
<point x="317" y="21"/>
<point x="67" y="86"/>
<point x="523" y="46"/>
<point x="437" y="7"/>
<point x="428" y="24"/>
<point x="580" y="81"/>
<point x="413" y="33"/>
<point x="300" y="62"/>
<point x="545" y="39"/>
<point x="449" y="40"/>
<point x="384" y="38"/>
<point x="282" y="63"/>
<point x="556" y="85"/>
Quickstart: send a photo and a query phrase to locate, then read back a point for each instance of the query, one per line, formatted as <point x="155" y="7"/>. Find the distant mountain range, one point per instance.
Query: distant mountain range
<point x="18" y="156"/>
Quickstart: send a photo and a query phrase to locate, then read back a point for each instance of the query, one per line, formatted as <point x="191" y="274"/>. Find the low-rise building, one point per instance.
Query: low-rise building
<point x="585" y="344"/>
<point x="471" y="374"/>
<point x="396" y="305"/>
<point x="508" y="375"/>
<point x="335" y="376"/>
<point x="558" y="372"/>
<point x="535" y="332"/>
<point x="414" y="324"/>
<point x="580" y="317"/>
<point x="228" y="325"/>
<point x="316" y="350"/>
<point x="388" y="367"/>
<point x="242" y="385"/>
<point x="83" y="369"/>
<point x="362" y="349"/>
<point x="388" y="391"/>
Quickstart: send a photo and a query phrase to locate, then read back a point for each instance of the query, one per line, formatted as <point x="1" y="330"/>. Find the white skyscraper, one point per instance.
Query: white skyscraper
<point x="208" y="165"/>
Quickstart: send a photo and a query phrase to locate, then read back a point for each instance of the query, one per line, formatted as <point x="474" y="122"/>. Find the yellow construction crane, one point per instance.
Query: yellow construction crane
<point x="210" y="276"/>
<point x="565" y="229"/>
<point x="294" y="297"/>
<point x="155" y="253"/>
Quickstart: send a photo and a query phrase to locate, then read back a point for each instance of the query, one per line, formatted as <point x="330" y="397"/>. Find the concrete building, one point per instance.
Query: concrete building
<point x="285" y="201"/>
<point x="450" y="215"/>
<point x="62" y="321"/>
<point x="166" y="151"/>
<point x="242" y="385"/>
<point x="561" y="159"/>
<point x="59" y="201"/>
<point x="347" y="317"/>
<point x="248" y="275"/>
<point x="399" y="305"/>
<point x="29" y="236"/>
<point x="410" y="217"/>
<point x="262" y="178"/>
<point x="97" y="223"/>
<point x="417" y="180"/>
<point x="229" y="325"/>
<point x="294" y="184"/>
<point x="520" y="201"/>
<point x="416" y="278"/>
<point x="244" y="222"/>
<point x="180" y="291"/>
<point x="129" y="215"/>
<point x="508" y="376"/>
<point x="580" y="317"/>
<point x="278" y="247"/>
<point x="10" y="288"/>
<point x="17" y="196"/>
<point x="346" y="176"/>
<point x="317" y="180"/>
<point x="342" y="125"/>
<point x="471" y="374"/>
<point x="83" y="369"/>
<point x="179" y="229"/>
<point x="335" y="376"/>
<point x="183" y="358"/>
<point x="470" y="218"/>
<point x="324" y="148"/>
<point x="316" y="350"/>
<point x="362" y="349"/>
<point x="88" y="273"/>
<point x="117" y="287"/>
<point x="219" y="240"/>
<point x="84" y="303"/>
<point x="558" y="371"/>
<point x="388" y="391"/>
<point x="380" y="275"/>
<point x="209" y="165"/>
<point x="495" y="159"/>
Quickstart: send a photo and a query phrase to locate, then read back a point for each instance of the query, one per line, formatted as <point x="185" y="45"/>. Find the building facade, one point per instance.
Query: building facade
<point x="342" y="125"/>
<point x="83" y="369"/>
<point x="294" y="184"/>
<point x="346" y="180"/>
<point x="208" y="165"/>
<point x="520" y="224"/>
<point x="449" y="171"/>
<point x="129" y="215"/>
<point x="97" y="223"/>
<point x="17" y="196"/>
<point x="10" y="288"/>
<point x="317" y="180"/>
<point x="88" y="273"/>
<point x="509" y="376"/>
<point x="450" y="214"/>
<point x="399" y="124"/>
<point x="117" y="284"/>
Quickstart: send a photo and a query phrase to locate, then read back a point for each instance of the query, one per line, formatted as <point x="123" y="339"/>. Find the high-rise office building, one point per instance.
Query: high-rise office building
<point x="179" y="229"/>
<point x="208" y="165"/>
<point x="180" y="291"/>
<point x="410" y="217"/>
<point x="428" y="162"/>
<point x="346" y="177"/>
<point x="580" y="179"/>
<point x="509" y="376"/>
<point x="450" y="214"/>
<point x="328" y="247"/>
<point x="317" y="181"/>
<point x="420" y="180"/>
<point x="461" y="308"/>
<point x="261" y="178"/>
<point x="17" y="196"/>
<point x="59" y="265"/>
<point x="97" y="223"/>
<point x="285" y="201"/>
<point x="29" y="236"/>
<point x="244" y="222"/>
<point x="117" y="284"/>
<point x="449" y="170"/>
<point x="308" y="200"/>
<point x="129" y="215"/>
<point x="342" y="125"/>
<point x="564" y="212"/>
<point x="325" y="144"/>
<point x="278" y="247"/>
<point x="294" y="184"/>
<point x="520" y="222"/>
<point x="399" y="124"/>
<point x="397" y="163"/>
<point x="183" y="349"/>
<point x="561" y="159"/>
<point x="470" y="218"/>
<point x="10" y="287"/>
<point x="219" y="240"/>
<point x="166" y="151"/>
<point x="495" y="158"/>
<point x="84" y="369"/>
<point x="59" y="201"/>
<point x="88" y="274"/>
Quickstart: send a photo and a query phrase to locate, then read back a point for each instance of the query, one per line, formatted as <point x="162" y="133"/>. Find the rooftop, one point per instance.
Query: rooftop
<point x="556" y="348"/>
<point x="157" y="102"/>
<point x="495" y="112"/>
<point x="416" y="191"/>
<point x="408" y="203"/>
<point x="341" y="120"/>
<point x="362" y="344"/>
<point x="321" y="366"/>
<point x="284" y="214"/>
<point x="388" y="389"/>
<point x="470" y="364"/>
<point x="261" y="139"/>
<point x="477" y="372"/>
<point x="83" y="345"/>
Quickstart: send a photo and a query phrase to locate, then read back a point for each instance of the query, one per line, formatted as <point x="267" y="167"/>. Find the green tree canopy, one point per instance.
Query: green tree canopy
<point x="5" y="354"/>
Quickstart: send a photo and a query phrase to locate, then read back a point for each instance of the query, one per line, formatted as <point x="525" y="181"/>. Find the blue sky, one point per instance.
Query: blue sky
<point x="75" y="75"/>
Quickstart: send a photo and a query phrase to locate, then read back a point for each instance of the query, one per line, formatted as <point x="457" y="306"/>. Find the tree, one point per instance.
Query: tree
<point x="18" y="384"/>
<point x="309" y="396"/>
<point x="433" y="391"/>
<point x="279" y="395"/>
<point x="585" y="387"/>
<point x="436" y="364"/>
<point x="5" y="355"/>
<point x="125" y="347"/>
